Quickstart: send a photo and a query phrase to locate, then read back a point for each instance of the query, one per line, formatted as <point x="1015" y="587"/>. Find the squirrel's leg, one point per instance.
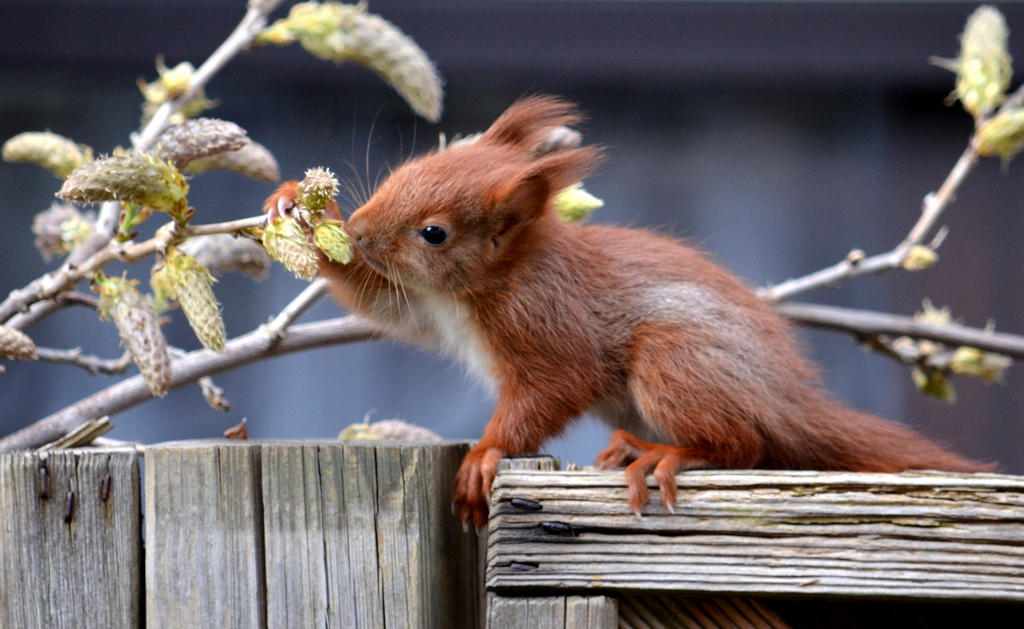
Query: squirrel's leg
<point x="523" y="420"/>
<point x="691" y="397"/>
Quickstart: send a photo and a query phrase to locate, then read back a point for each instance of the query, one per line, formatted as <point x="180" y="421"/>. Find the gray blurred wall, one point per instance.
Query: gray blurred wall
<point x="776" y="135"/>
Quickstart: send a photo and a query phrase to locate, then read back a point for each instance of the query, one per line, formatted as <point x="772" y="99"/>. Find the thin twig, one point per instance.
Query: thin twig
<point x="932" y="208"/>
<point x="42" y="309"/>
<point x="243" y="350"/>
<point x="92" y="364"/>
<point x="866" y="323"/>
<point x="64" y="278"/>
<point x="291" y="312"/>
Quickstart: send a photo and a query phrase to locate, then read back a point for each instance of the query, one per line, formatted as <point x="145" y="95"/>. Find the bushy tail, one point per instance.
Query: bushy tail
<point x="839" y="439"/>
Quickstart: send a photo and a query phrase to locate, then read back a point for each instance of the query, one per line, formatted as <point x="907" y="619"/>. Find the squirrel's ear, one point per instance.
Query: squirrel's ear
<point x="519" y="204"/>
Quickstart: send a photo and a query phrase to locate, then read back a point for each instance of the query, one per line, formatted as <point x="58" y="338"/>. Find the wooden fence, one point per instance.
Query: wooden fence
<point x="324" y="534"/>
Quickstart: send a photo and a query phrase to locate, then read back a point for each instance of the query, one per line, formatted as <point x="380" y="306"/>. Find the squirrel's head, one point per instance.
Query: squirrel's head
<point x="449" y="220"/>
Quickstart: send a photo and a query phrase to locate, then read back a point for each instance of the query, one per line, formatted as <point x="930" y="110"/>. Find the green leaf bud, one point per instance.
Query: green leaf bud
<point x="145" y="180"/>
<point x="344" y="32"/>
<point x="286" y="242"/>
<point x="575" y="204"/>
<point x="330" y="237"/>
<point x="317" y="189"/>
<point x="139" y="330"/>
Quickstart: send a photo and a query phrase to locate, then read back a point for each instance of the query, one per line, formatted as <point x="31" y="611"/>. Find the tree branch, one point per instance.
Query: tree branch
<point x="52" y="284"/>
<point x="866" y="323"/>
<point x="251" y="347"/>
<point x="293" y="310"/>
<point x="92" y="364"/>
<point x="853" y="267"/>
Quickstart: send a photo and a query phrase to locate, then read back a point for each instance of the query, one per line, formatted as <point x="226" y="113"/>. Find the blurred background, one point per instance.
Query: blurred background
<point x="777" y="135"/>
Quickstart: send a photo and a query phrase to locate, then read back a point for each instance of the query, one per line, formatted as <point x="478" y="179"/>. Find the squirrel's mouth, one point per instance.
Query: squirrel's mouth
<point x="378" y="267"/>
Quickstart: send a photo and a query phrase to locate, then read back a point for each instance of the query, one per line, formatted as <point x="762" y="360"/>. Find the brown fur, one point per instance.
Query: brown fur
<point x="562" y="318"/>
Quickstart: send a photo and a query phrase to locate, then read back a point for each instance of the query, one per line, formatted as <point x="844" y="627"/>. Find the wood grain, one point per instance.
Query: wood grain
<point x="920" y="536"/>
<point x="552" y="612"/>
<point x="362" y="535"/>
<point x="70" y="562"/>
<point x="204" y="535"/>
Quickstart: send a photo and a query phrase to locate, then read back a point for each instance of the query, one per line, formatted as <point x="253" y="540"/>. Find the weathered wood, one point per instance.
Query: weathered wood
<point x="204" y="535"/>
<point x="70" y="542"/>
<point x="551" y="612"/>
<point x="923" y="536"/>
<point x="591" y="612"/>
<point x="362" y="535"/>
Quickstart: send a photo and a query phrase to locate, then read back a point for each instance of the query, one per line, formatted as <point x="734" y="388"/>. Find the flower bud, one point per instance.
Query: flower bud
<point x="16" y="344"/>
<point x="1002" y="135"/>
<point x="195" y="139"/>
<point x="330" y="237"/>
<point x="139" y="330"/>
<point x="972" y="361"/>
<point x="343" y="32"/>
<point x="575" y="204"/>
<point x="145" y="180"/>
<point x="252" y="160"/>
<point x="54" y="152"/>
<point x="172" y="83"/>
<point x="933" y="382"/>
<point x="934" y="316"/>
<point x="919" y="258"/>
<point x="317" y="189"/>
<point x="983" y="69"/>
<point x="192" y="284"/>
<point x="288" y="243"/>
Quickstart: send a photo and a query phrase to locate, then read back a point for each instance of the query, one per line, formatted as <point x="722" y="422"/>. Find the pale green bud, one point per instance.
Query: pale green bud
<point x="575" y="204"/>
<point x="344" y="32"/>
<point x="317" y="189"/>
<point x="919" y="258"/>
<point x="983" y="70"/>
<point x="933" y="382"/>
<point x="1002" y="135"/>
<point x="972" y="361"/>
<point x="286" y="242"/>
<point x="193" y="286"/>
<point x="141" y="179"/>
<point x="139" y="330"/>
<point x="330" y="237"/>
<point x="61" y="228"/>
<point x="53" y="152"/>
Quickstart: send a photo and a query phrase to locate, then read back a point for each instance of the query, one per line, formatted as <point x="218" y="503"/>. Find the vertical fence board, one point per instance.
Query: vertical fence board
<point x="204" y="536"/>
<point x="591" y="612"/>
<point x="542" y="612"/>
<point x="361" y="535"/>
<point x="75" y="562"/>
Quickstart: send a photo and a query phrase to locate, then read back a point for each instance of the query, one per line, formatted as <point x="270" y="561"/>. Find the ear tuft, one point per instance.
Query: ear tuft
<point x="528" y="121"/>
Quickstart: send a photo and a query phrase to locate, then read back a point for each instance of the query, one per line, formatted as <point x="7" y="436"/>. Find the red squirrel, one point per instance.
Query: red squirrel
<point x="460" y="250"/>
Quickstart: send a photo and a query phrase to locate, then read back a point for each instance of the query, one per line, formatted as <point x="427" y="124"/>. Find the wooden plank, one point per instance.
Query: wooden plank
<point x="204" y="535"/>
<point x="591" y="612"/>
<point x="921" y="536"/>
<point x="544" y="612"/>
<point x="362" y="535"/>
<point x="70" y="540"/>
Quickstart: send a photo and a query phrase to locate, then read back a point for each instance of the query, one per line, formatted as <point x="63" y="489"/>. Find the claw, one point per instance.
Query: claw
<point x="640" y="459"/>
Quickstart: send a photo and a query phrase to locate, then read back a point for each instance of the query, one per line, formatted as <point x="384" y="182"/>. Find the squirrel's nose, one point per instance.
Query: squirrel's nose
<point x="354" y="232"/>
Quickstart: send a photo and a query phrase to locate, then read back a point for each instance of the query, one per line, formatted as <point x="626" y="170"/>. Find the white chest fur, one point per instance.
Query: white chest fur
<point x="450" y="326"/>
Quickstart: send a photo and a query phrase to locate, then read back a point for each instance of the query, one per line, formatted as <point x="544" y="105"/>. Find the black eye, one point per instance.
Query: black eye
<point x="434" y="235"/>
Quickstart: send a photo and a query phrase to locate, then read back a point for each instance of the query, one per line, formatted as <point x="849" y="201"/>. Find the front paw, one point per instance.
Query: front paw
<point x="473" y="484"/>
